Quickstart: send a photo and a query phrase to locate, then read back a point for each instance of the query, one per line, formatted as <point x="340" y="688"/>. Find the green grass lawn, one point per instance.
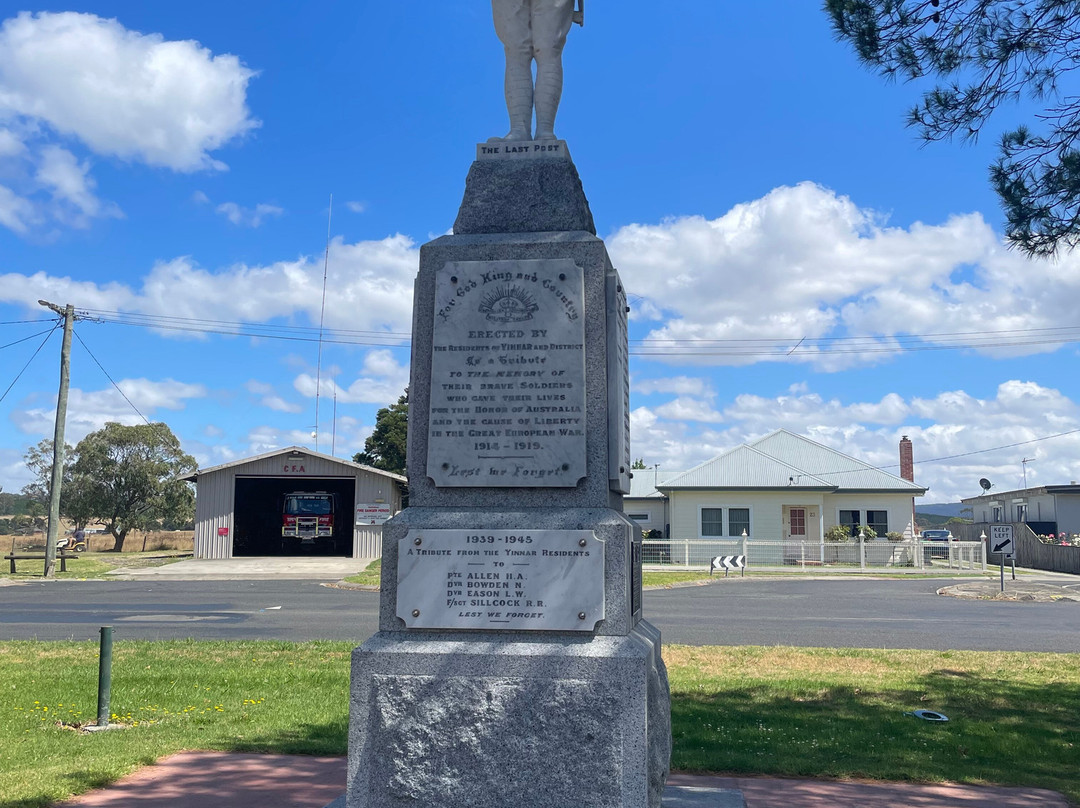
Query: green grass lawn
<point x="93" y="565"/>
<point x="1014" y="718"/>
<point x="371" y="575"/>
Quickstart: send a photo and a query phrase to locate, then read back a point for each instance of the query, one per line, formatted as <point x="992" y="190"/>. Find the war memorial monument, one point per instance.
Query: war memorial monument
<point x="512" y="668"/>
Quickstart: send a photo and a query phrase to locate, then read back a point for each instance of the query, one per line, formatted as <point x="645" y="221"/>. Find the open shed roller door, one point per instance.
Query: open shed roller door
<point x="257" y="515"/>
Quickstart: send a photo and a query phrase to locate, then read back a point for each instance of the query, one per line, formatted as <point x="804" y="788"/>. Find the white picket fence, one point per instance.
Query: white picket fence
<point x="692" y="554"/>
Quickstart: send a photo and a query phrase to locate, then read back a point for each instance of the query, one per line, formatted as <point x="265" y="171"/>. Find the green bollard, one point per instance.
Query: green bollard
<point x="104" y="676"/>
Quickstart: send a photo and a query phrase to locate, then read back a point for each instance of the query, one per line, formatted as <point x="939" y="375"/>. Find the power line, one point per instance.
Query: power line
<point x="998" y="448"/>
<point x="17" y="322"/>
<point x="948" y="457"/>
<point x="110" y="378"/>
<point x="24" y="339"/>
<point x="31" y="359"/>
<point x="689" y="347"/>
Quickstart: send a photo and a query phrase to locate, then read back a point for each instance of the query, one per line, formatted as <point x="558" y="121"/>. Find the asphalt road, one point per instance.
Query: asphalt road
<point x="854" y="613"/>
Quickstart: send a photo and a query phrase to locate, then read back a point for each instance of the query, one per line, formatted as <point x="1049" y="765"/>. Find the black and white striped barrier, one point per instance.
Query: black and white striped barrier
<point x="727" y="564"/>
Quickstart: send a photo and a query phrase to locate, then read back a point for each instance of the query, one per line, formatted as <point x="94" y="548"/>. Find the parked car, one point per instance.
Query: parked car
<point x="930" y="553"/>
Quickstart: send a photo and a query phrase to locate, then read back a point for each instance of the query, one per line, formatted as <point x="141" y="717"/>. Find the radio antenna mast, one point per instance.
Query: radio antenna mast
<point x="322" y="317"/>
<point x="333" y="434"/>
<point x="1024" y="463"/>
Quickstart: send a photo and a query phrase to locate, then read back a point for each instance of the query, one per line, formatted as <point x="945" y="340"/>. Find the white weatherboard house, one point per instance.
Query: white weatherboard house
<point x="788" y="487"/>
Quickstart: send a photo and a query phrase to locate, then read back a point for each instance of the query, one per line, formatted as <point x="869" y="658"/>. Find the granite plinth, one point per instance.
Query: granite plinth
<point x="533" y="195"/>
<point x="448" y="720"/>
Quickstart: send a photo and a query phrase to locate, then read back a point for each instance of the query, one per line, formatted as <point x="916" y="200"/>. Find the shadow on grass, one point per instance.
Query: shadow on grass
<point x="331" y="738"/>
<point x="998" y="732"/>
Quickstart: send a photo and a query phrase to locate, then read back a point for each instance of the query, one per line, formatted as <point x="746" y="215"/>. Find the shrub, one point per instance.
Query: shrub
<point x="838" y="533"/>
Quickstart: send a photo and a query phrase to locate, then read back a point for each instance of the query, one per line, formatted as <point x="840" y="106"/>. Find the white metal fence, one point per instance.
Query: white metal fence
<point x="688" y="554"/>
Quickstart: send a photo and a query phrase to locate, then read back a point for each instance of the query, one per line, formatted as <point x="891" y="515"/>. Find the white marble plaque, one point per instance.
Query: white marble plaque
<point x="523" y="150"/>
<point x="503" y="580"/>
<point x="508" y="375"/>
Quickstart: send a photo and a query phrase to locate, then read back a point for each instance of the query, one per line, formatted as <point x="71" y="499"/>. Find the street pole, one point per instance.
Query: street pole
<point x="68" y="313"/>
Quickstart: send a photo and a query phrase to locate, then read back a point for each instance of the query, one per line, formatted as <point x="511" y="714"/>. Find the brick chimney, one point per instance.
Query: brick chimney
<point x="907" y="460"/>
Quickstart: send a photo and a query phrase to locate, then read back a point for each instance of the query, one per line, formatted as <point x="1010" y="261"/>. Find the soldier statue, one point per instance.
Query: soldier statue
<point x="534" y="30"/>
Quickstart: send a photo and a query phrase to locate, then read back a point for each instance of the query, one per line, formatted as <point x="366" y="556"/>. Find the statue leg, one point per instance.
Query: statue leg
<point x="513" y="27"/>
<point x="551" y="21"/>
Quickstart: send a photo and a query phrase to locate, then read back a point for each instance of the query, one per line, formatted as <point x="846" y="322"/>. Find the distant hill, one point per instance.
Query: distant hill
<point x="926" y="520"/>
<point x="941" y="509"/>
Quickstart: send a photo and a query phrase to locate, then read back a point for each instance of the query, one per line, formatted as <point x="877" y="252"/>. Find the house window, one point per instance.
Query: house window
<point x="1021" y="513"/>
<point x="996" y="515"/>
<point x="712" y="521"/>
<point x="797" y="519"/>
<point x="879" y="521"/>
<point x="850" y="520"/>
<point x="639" y="517"/>
<point x="738" y="521"/>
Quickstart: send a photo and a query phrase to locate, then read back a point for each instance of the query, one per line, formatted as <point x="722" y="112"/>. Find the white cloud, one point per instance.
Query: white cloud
<point x="11" y="145"/>
<point x="803" y="263"/>
<point x="248" y="217"/>
<point x="91" y="410"/>
<point x="954" y="424"/>
<point x="349" y="439"/>
<point x="686" y="408"/>
<point x="381" y="380"/>
<point x="200" y="198"/>
<point x="72" y="187"/>
<point x="268" y="397"/>
<point x="16" y="212"/>
<point x="13" y="472"/>
<point x="356" y="207"/>
<point x="371" y="284"/>
<point x="123" y="93"/>
<point x="679" y="385"/>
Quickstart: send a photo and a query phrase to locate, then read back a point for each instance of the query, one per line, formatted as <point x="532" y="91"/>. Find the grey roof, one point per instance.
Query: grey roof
<point x="1034" y="490"/>
<point x="746" y="467"/>
<point x="290" y="450"/>
<point x="643" y="483"/>
<point x="783" y="459"/>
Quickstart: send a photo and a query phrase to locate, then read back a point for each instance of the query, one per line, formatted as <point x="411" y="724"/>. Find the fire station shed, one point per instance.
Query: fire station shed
<point x="240" y="506"/>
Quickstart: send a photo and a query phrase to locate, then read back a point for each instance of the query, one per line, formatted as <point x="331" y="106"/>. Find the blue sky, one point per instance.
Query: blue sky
<point x="756" y="187"/>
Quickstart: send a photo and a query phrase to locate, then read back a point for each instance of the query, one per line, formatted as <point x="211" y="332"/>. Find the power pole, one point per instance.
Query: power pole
<point x="68" y="313"/>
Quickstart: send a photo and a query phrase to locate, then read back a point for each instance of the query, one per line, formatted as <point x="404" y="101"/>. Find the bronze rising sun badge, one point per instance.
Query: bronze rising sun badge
<point x="508" y="304"/>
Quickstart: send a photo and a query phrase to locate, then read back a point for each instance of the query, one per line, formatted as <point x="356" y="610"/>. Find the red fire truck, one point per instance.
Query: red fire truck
<point x="307" y="520"/>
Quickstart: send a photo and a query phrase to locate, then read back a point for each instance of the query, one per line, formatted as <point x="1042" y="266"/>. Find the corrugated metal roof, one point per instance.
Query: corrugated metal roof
<point x="783" y="459"/>
<point x="837" y="468"/>
<point x="643" y="483"/>
<point x="290" y="450"/>
<point x="746" y="467"/>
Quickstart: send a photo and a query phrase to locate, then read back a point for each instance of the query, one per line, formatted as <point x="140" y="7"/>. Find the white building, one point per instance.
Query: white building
<point x="783" y="486"/>
<point x="238" y="505"/>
